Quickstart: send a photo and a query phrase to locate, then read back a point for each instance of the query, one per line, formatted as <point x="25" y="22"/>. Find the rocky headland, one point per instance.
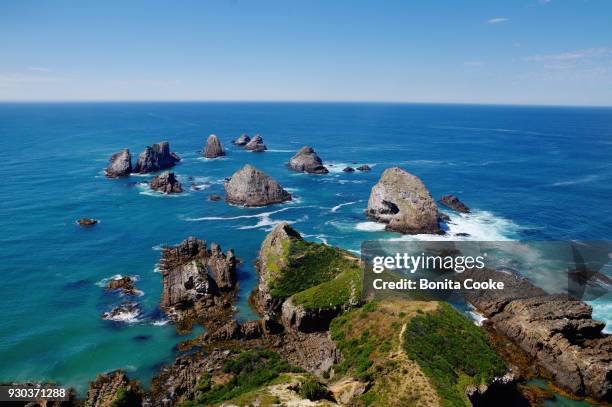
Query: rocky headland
<point x="403" y="203"/>
<point x="307" y="160"/>
<point x="166" y="183"/>
<point x="256" y="144"/>
<point x="119" y="164"/>
<point x="213" y="147"/>
<point x="302" y="284"/>
<point x="251" y="187"/>
<point x="199" y="285"/>
<point x="155" y="158"/>
<point x="556" y="330"/>
<point x="454" y="203"/>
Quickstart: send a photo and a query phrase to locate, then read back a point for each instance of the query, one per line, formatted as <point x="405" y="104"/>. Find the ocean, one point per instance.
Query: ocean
<point x="528" y="173"/>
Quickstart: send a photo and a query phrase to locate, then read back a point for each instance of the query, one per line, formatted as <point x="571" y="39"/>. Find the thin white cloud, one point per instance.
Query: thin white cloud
<point x="473" y="63"/>
<point x="16" y="79"/>
<point x="497" y="20"/>
<point x="39" y="69"/>
<point x="570" y="56"/>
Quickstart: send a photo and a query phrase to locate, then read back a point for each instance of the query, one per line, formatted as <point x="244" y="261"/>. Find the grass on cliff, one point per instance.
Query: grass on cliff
<point x="452" y="351"/>
<point x="308" y="264"/>
<point x="344" y="289"/>
<point x="370" y="340"/>
<point x="249" y="371"/>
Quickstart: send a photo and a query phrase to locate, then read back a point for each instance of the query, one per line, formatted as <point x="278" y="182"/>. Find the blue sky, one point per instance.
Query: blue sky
<point x="476" y="51"/>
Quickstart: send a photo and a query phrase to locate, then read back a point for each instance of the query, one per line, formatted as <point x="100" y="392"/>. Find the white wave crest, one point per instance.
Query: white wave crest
<point x="370" y="226"/>
<point x="335" y="208"/>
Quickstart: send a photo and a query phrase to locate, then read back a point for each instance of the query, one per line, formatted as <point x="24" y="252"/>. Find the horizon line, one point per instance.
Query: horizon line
<point x="381" y="102"/>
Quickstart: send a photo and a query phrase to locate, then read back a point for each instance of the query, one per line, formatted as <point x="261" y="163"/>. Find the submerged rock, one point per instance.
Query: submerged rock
<point x="213" y="148"/>
<point x="119" y="164"/>
<point x="307" y="160"/>
<point x="86" y="222"/>
<point x="155" y="158"/>
<point x="251" y="187"/>
<point x="113" y="389"/>
<point x="451" y="201"/>
<point x="198" y="284"/>
<point x="364" y="167"/>
<point x="402" y="201"/>
<point x="214" y="197"/>
<point x="256" y="145"/>
<point x="243" y="140"/>
<point x="166" y="183"/>
<point x="348" y="169"/>
<point x="126" y="312"/>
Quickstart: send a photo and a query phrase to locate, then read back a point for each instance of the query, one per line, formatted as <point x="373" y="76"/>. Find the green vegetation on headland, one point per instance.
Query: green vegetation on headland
<point x="313" y="274"/>
<point x="249" y="371"/>
<point x="307" y="264"/>
<point x="370" y="340"/>
<point x="452" y="351"/>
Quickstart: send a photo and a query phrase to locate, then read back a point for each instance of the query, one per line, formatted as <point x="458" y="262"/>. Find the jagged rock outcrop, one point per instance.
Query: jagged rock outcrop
<point x="119" y="164"/>
<point x="251" y="187"/>
<point x="243" y="140"/>
<point x="198" y="284"/>
<point x="125" y="284"/>
<point x="364" y="167"/>
<point x="155" y="158"/>
<point x="556" y="330"/>
<point x="213" y="148"/>
<point x="502" y="391"/>
<point x="348" y="169"/>
<point x="166" y="183"/>
<point x="402" y="201"/>
<point x="307" y="160"/>
<point x="179" y="382"/>
<point x="453" y="202"/>
<point x="113" y="389"/>
<point x="256" y="144"/>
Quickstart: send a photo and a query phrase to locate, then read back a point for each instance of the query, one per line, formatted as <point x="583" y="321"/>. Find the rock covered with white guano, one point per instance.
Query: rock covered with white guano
<point x="119" y="164"/>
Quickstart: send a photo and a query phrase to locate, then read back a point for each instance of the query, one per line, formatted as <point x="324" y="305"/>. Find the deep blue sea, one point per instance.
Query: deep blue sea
<point x="529" y="173"/>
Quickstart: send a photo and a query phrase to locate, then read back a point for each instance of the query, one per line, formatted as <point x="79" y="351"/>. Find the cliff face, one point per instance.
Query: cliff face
<point x="302" y="284"/>
<point x="402" y="201"/>
<point x="556" y="330"/>
<point x="198" y="284"/>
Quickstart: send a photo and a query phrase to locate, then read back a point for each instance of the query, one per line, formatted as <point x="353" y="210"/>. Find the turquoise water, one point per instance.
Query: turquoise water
<point x="528" y="173"/>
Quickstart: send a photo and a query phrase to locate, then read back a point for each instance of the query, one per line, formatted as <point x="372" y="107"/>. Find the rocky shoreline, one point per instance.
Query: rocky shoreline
<point x="317" y="343"/>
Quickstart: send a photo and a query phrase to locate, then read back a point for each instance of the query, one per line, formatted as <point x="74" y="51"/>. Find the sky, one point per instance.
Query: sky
<point x="551" y="52"/>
